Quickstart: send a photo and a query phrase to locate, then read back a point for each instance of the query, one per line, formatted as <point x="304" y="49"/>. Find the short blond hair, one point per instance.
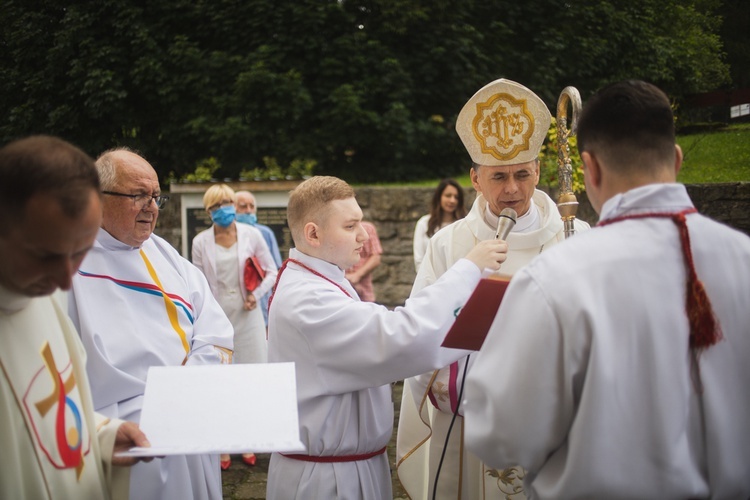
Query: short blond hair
<point x="216" y="194"/>
<point x="309" y="202"/>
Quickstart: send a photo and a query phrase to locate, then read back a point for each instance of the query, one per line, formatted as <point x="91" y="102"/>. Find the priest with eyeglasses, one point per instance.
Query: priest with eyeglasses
<point x="137" y="303"/>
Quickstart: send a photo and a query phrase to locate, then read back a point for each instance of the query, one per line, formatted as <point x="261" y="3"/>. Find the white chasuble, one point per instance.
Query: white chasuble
<point x="48" y="431"/>
<point x="429" y="400"/>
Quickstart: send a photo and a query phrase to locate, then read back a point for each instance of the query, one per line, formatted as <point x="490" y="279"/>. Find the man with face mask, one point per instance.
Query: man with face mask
<point x="502" y="127"/>
<point x="137" y="303"/>
<point x="247" y="213"/>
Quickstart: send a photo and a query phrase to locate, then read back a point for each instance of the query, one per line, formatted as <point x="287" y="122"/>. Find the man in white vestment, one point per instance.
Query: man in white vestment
<point x="505" y="173"/>
<point x="628" y="375"/>
<point x="53" y="445"/>
<point x="348" y="352"/>
<point x="137" y="303"/>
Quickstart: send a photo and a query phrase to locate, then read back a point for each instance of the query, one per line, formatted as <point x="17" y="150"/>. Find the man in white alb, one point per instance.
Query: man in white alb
<point x="348" y="352"/>
<point x="137" y="303"/>
<point x="505" y="173"/>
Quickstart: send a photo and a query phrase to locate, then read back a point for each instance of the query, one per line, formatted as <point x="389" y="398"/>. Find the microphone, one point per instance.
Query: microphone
<point x="505" y="223"/>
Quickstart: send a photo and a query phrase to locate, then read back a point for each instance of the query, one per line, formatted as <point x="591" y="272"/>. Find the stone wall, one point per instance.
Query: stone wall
<point x="395" y="210"/>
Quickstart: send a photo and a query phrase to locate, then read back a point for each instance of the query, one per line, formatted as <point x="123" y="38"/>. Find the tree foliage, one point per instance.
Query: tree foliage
<point x="366" y="90"/>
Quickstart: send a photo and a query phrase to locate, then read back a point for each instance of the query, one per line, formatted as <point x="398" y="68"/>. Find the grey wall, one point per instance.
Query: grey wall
<point x="394" y="211"/>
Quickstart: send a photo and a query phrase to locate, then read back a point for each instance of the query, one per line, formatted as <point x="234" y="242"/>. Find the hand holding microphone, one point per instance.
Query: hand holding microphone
<point x="490" y="254"/>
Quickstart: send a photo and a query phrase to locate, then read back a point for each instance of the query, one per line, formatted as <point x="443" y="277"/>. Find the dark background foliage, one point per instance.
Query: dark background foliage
<point x="366" y="90"/>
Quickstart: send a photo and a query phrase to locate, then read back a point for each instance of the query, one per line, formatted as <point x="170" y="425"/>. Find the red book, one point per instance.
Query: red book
<point x="476" y="317"/>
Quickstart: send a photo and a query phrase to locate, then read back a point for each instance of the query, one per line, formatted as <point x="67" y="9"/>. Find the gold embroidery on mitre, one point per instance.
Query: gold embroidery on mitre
<point x="503" y="126"/>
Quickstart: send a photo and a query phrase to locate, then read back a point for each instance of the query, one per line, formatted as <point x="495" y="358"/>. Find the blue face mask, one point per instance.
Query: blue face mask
<point x="247" y="218"/>
<point x="223" y="216"/>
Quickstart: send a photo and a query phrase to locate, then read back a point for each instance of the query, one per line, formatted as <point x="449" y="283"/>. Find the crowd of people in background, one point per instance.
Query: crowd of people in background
<point x="615" y="367"/>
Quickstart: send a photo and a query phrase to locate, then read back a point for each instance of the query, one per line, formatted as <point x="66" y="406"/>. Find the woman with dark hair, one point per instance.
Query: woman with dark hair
<point x="446" y="207"/>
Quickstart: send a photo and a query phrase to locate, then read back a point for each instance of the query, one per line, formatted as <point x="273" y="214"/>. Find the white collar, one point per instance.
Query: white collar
<point x="530" y="221"/>
<point x="12" y="302"/>
<point x="668" y="197"/>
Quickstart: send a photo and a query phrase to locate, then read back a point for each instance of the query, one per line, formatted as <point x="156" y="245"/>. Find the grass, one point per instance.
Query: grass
<point x="719" y="155"/>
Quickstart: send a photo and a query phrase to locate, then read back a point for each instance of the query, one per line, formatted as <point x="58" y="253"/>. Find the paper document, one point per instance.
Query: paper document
<point x="220" y="409"/>
<point x="475" y="318"/>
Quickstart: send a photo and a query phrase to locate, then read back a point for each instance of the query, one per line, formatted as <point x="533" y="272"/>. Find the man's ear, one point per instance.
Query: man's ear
<point x="474" y="176"/>
<point x="310" y="233"/>
<point x="677" y="159"/>
<point x="592" y="168"/>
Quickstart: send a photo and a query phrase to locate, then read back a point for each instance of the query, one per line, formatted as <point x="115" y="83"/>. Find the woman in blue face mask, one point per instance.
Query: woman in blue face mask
<point x="221" y="252"/>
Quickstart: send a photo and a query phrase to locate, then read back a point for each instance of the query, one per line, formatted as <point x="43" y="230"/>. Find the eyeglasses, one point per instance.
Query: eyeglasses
<point x="142" y="201"/>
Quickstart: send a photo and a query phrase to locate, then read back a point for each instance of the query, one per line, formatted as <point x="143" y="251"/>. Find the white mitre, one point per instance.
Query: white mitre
<point x="504" y="123"/>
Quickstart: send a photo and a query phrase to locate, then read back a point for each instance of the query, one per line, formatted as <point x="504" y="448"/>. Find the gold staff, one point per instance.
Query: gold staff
<point x="567" y="203"/>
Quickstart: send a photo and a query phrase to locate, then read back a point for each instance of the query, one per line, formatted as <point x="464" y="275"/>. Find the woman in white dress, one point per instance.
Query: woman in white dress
<point x="221" y="252"/>
<point x="446" y="207"/>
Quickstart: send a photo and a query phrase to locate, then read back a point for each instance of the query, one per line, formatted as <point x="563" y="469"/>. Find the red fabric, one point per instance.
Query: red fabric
<point x="254" y="274"/>
<point x="705" y="330"/>
<point x="337" y="458"/>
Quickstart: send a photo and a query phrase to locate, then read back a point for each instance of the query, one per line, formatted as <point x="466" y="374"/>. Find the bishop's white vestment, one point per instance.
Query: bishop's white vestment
<point x="52" y="444"/>
<point x="588" y="381"/>
<point x="429" y="400"/>
<point x="347" y="353"/>
<point x="142" y="307"/>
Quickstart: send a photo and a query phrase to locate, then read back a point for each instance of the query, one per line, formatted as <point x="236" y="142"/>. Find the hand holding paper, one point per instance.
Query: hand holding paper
<point x="220" y="409"/>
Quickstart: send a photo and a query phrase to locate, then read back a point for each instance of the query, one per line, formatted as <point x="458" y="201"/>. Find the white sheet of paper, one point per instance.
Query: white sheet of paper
<point x="220" y="409"/>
